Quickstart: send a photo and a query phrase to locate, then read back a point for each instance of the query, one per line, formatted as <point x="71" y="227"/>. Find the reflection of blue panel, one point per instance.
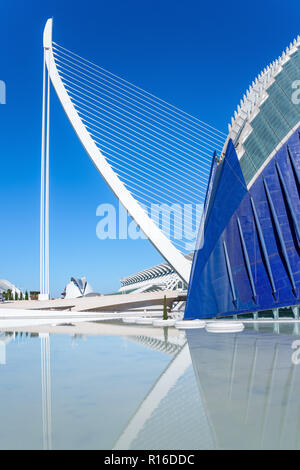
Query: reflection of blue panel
<point x="234" y="375"/>
<point x="265" y="231"/>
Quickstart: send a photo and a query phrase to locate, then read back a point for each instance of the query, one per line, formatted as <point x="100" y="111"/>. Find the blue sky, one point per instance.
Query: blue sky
<point x="200" y="56"/>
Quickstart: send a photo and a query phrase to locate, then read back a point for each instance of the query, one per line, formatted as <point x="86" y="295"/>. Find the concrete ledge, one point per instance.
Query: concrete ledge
<point x="118" y="302"/>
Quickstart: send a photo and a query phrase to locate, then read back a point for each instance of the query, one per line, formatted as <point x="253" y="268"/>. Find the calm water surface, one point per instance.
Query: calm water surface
<point x="152" y="389"/>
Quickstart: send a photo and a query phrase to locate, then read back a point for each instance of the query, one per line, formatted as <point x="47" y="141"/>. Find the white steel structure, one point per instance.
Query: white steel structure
<point x="74" y="98"/>
<point x="6" y="285"/>
<point x="157" y="278"/>
<point x="44" y="204"/>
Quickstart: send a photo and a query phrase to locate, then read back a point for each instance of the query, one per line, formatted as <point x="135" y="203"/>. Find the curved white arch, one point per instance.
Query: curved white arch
<point x="176" y="259"/>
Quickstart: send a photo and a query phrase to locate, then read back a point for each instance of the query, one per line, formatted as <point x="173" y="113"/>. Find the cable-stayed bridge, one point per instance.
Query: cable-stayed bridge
<point x="154" y="156"/>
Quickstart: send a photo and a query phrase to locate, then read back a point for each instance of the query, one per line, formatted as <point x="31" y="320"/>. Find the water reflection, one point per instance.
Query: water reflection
<point x="157" y="344"/>
<point x="171" y="415"/>
<point x="151" y="388"/>
<point x="46" y="391"/>
<point x="250" y="384"/>
<point x="4" y="340"/>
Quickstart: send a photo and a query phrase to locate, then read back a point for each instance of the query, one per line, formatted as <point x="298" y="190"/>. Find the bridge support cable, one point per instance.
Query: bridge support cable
<point x="164" y="107"/>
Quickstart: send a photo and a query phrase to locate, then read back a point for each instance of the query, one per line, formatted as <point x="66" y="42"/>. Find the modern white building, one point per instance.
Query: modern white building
<point x="6" y="285"/>
<point x="157" y="278"/>
<point x="78" y="287"/>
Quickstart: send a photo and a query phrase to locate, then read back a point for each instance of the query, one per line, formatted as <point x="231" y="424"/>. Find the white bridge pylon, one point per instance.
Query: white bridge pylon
<point x="160" y="241"/>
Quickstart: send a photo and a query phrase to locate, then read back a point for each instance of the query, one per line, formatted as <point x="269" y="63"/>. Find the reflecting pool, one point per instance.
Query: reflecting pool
<point x="139" y="387"/>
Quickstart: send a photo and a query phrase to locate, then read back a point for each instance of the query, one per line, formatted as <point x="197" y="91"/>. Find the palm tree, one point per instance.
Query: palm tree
<point x="9" y="294"/>
<point x="165" y="310"/>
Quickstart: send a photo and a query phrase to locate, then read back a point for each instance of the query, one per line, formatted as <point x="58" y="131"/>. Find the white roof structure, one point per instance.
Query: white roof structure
<point x="5" y="285"/>
<point x="257" y="91"/>
<point x="78" y="287"/>
<point x="250" y="105"/>
<point x="157" y="278"/>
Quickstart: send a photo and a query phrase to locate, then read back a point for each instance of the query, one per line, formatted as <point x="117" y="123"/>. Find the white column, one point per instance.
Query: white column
<point x="44" y="202"/>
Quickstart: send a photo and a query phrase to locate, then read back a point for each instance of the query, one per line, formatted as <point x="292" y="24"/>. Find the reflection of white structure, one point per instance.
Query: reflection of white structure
<point x="169" y="345"/>
<point x="5" y="285"/>
<point x="172" y="415"/>
<point x="248" y="380"/>
<point x="78" y="287"/>
<point x="4" y="340"/>
<point x="46" y="391"/>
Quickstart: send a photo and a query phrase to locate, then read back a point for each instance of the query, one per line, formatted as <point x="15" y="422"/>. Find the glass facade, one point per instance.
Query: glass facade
<point x="277" y="117"/>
